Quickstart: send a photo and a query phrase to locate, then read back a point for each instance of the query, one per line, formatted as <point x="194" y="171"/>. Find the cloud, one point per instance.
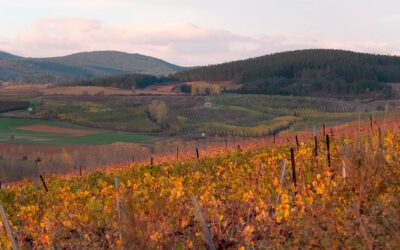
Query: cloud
<point x="185" y="44"/>
<point x="181" y="43"/>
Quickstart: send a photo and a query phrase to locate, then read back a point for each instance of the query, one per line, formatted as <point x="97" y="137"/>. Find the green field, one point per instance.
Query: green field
<point x="9" y="133"/>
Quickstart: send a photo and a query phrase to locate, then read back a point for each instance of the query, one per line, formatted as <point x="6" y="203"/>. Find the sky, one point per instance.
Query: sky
<point x="198" y="32"/>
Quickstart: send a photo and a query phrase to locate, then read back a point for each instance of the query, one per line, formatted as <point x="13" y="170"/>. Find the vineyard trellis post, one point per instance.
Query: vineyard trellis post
<point x="203" y="222"/>
<point x="177" y="153"/>
<point x="44" y="183"/>
<point x="258" y="176"/>
<point x="36" y="182"/>
<point x="328" y="151"/>
<point x="297" y="142"/>
<point x="119" y="214"/>
<point x="380" y="138"/>
<point x="315" y="142"/>
<point x="293" y="167"/>
<point x="281" y="179"/>
<point x="371" y="122"/>
<point x="8" y="227"/>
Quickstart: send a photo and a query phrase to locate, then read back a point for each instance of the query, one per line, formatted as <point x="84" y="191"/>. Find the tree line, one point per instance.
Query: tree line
<point x="128" y="81"/>
<point x="301" y="73"/>
<point x="306" y="72"/>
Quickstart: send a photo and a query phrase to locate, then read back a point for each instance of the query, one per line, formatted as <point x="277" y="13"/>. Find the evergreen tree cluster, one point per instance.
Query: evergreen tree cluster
<point x="306" y="72"/>
<point x="128" y="81"/>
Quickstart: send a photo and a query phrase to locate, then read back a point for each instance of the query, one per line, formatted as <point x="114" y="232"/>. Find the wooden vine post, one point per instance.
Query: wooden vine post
<point x="119" y="214"/>
<point x="315" y="142"/>
<point x="380" y="138"/>
<point x="293" y="167"/>
<point x="204" y="224"/>
<point x="283" y="170"/>
<point x="8" y="228"/>
<point x="371" y="122"/>
<point x="328" y="151"/>
<point x="44" y="183"/>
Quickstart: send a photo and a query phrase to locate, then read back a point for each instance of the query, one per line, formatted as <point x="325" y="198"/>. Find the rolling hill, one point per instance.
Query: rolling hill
<point x="306" y="72"/>
<point x="80" y="66"/>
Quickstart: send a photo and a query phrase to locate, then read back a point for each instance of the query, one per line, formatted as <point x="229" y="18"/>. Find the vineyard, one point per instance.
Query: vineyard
<point x="262" y="129"/>
<point x="338" y="190"/>
<point x="260" y="115"/>
<point x="224" y="114"/>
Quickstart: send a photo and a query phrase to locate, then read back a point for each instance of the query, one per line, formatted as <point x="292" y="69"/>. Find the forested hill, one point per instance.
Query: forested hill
<point x="86" y="65"/>
<point x="306" y="72"/>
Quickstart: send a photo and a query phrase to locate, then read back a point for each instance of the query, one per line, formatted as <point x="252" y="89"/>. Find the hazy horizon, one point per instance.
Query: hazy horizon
<point x="192" y="33"/>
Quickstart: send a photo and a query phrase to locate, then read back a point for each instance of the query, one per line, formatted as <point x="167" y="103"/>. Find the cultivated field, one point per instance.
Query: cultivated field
<point x="85" y="90"/>
<point x="225" y="114"/>
<point x="339" y="191"/>
<point x="96" y="130"/>
<point x="95" y="90"/>
<point x="34" y="131"/>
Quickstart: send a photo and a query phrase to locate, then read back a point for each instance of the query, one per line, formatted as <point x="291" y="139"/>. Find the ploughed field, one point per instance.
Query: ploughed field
<point x="342" y="192"/>
<point x="36" y="131"/>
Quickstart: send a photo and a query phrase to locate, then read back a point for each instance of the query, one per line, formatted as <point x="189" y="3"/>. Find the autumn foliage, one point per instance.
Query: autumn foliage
<point x="352" y="204"/>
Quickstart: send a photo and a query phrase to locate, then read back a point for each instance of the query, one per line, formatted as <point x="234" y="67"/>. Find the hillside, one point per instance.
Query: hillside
<point x="344" y="195"/>
<point x="5" y="55"/>
<point x="79" y="66"/>
<point x="307" y="72"/>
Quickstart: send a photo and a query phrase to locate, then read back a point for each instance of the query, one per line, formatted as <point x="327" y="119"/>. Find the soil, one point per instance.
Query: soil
<point x="53" y="129"/>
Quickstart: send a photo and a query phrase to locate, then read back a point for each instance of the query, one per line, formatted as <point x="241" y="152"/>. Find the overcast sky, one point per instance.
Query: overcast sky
<point x="196" y="32"/>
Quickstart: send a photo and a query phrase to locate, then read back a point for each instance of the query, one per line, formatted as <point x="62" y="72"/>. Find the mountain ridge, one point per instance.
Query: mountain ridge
<point x="79" y="66"/>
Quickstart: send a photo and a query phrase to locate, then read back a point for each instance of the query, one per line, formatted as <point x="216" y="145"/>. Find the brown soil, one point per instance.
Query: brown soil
<point x="53" y="129"/>
<point x="91" y="90"/>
